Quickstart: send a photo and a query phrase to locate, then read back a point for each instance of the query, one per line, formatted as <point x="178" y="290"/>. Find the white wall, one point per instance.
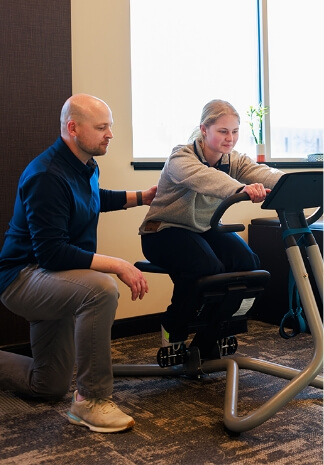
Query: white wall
<point x="101" y="67"/>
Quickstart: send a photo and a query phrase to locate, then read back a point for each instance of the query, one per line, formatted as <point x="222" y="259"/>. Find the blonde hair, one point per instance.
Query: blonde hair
<point x="210" y="114"/>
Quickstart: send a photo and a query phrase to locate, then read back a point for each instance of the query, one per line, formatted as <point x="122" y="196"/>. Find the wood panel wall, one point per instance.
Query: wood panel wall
<point x="35" y="81"/>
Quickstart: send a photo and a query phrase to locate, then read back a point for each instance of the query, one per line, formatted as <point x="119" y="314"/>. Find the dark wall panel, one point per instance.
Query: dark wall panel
<point x="35" y="80"/>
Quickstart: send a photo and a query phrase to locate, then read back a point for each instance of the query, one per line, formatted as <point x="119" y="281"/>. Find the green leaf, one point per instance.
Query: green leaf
<point x="256" y="115"/>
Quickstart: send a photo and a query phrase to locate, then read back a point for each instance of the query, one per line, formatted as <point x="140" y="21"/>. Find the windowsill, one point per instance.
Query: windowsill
<point x="158" y="165"/>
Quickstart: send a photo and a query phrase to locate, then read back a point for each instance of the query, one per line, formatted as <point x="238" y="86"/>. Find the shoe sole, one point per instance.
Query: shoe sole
<point x="74" y="420"/>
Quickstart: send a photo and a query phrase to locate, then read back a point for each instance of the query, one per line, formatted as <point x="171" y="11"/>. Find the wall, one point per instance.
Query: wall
<point x="101" y="66"/>
<point x="35" y="80"/>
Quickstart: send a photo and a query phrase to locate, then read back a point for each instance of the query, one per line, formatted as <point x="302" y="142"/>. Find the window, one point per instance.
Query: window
<point x="296" y="97"/>
<point x="187" y="52"/>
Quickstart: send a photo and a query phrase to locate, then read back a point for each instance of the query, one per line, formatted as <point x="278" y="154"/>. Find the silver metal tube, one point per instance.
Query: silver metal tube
<point x="316" y="262"/>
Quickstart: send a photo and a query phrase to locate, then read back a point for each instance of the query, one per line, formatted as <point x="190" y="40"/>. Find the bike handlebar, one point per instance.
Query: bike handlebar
<point x="220" y="210"/>
<point x="237" y="227"/>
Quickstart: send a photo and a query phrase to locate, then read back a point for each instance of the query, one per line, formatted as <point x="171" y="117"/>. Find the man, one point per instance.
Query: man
<point x="51" y="275"/>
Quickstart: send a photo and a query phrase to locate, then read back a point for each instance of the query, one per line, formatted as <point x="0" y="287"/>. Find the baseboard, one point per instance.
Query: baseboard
<point x="137" y="325"/>
<point x="124" y="327"/>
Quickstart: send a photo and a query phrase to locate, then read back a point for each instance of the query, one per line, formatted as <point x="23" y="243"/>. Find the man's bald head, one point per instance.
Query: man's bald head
<point x="86" y="123"/>
<point x="80" y="107"/>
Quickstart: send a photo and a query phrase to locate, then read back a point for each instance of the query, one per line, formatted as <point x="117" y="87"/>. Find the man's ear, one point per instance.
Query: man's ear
<point x="71" y="127"/>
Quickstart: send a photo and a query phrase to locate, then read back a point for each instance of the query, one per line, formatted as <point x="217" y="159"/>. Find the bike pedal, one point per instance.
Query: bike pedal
<point x="227" y="345"/>
<point x="168" y="356"/>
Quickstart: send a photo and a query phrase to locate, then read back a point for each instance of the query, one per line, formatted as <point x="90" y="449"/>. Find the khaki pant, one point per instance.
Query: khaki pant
<point x="71" y="314"/>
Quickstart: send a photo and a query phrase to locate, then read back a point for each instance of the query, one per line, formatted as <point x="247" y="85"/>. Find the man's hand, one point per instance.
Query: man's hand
<point x="126" y="272"/>
<point x="149" y="195"/>
<point x="146" y="197"/>
<point x="134" y="279"/>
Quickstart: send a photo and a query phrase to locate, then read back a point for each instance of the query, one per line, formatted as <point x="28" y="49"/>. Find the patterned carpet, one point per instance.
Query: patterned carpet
<point x="179" y="421"/>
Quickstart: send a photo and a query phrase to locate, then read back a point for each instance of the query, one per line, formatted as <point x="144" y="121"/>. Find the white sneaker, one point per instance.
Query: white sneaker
<point x="100" y="415"/>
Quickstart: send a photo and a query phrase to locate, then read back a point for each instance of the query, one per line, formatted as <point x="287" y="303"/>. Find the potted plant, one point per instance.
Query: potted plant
<point x="256" y="115"/>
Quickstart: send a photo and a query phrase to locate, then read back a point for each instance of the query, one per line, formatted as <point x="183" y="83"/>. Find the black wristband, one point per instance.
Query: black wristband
<point x="139" y="197"/>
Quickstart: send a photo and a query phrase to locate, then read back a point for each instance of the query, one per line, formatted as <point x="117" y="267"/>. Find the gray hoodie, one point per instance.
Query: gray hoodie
<point x="189" y="191"/>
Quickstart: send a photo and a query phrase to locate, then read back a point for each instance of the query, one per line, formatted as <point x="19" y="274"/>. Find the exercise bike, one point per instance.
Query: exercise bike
<point x="214" y="344"/>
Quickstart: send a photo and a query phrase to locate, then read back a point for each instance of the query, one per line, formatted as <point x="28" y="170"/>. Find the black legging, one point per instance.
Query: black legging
<point x="187" y="256"/>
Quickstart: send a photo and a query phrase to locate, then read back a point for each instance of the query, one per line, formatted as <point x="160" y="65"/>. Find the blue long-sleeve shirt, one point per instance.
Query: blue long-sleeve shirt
<point x="56" y="213"/>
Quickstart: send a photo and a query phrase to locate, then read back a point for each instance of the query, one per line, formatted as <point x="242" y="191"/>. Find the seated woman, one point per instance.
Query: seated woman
<point x="176" y="232"/>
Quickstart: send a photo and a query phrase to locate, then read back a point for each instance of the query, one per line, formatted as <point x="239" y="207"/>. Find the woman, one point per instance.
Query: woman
<point x="176" y="231"/>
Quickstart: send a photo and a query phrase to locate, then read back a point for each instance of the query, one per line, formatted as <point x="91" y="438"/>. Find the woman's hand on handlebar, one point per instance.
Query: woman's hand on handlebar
<point x="257" y="192"/>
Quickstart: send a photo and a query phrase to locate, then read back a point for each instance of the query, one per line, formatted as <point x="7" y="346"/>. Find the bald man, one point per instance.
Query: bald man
<point x="52" y="275"/>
